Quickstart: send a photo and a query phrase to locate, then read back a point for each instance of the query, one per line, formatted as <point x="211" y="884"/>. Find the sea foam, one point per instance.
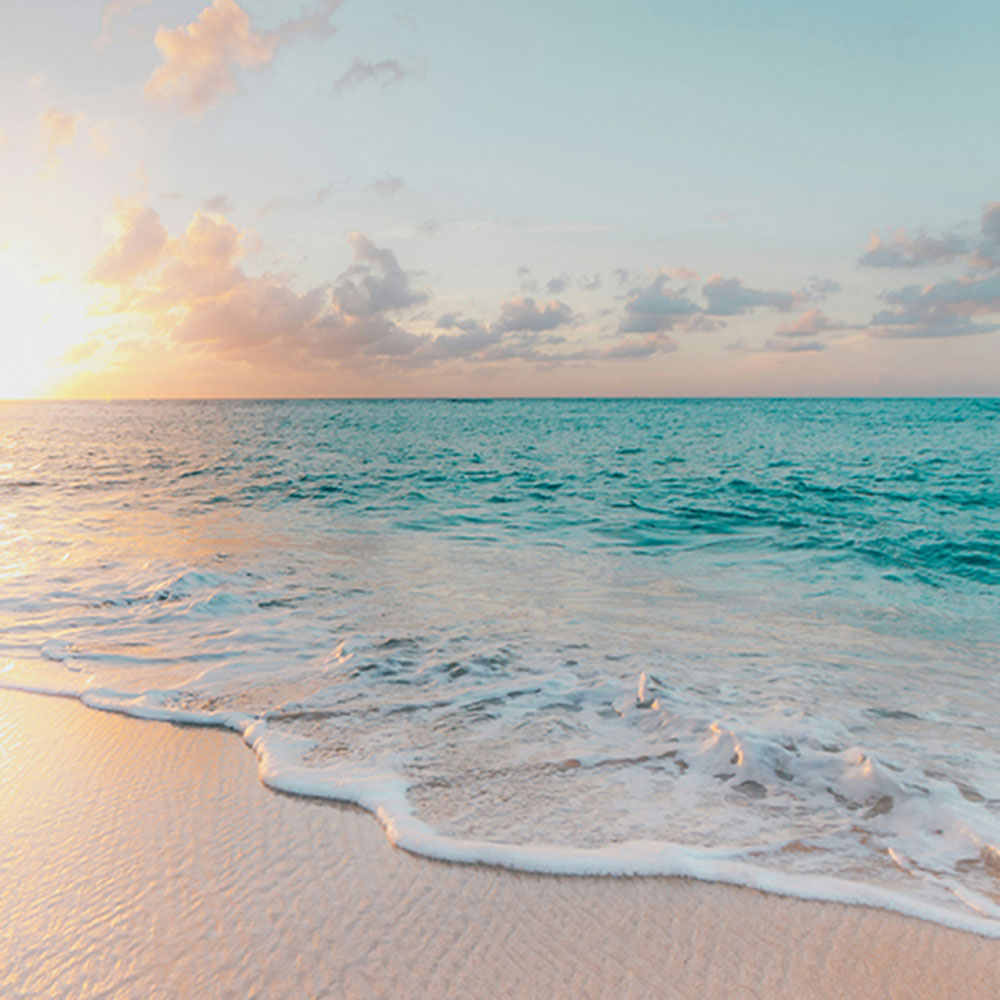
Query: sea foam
<point x="747" y="641"/>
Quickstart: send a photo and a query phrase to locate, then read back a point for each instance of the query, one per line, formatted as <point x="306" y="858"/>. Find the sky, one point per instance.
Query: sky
<point x="308" y="198"/>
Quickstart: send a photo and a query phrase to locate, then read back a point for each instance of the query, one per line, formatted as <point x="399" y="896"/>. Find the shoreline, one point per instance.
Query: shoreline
<point x="149" y="860"/>
<point x="384" y="798"/>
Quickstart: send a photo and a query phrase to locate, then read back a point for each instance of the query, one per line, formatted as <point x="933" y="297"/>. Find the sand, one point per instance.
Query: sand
<point x="143" y="859"/>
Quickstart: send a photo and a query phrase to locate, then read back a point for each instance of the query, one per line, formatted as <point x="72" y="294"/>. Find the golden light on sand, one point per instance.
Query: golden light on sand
<point x="44" y="316"/>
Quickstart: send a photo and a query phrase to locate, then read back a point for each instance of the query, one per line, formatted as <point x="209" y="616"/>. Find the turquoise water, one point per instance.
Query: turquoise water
<point x="760" y="634"/>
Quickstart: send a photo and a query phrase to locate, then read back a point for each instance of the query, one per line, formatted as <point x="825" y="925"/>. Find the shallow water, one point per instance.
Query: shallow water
<point x="752" y="640"/>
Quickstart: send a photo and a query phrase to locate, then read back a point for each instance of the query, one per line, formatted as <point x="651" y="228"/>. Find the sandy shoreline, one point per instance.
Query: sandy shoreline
<point x="141" y="859"/>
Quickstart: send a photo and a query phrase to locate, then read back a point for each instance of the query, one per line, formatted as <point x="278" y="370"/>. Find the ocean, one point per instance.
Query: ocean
<point x="754" y="641"/>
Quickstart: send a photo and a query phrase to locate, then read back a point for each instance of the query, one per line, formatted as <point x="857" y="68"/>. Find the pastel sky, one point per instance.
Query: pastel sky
<point x="568" y="197"/>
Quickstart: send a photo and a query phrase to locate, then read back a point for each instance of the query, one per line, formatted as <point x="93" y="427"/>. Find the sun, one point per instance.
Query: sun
<point x="43" y="316"/>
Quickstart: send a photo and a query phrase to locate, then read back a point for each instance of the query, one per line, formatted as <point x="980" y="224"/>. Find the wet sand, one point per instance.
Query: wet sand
<point x="143" y="859"/>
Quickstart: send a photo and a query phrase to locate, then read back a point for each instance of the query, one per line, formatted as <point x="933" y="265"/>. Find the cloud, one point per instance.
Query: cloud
<point x="949" y="307"/>
<point x="778" y="345"/>
<point x="387" y="71"/>
<point x="811" y="323"/>
<point x="280" y="204"/>
<point x="655" y="308"/>
<point x="481" y="344"/>
<point x="472" y="339"/>
<point x="525" y="280"/>
<point x="200" y="59"/>
<point x="794" y="346"/>
<point x="375" y="283"/>
<point x="633" y="350"/>
<point x="946" y="326"/>
<point x="904" y="251"/>
<point x="921" y="250"/>
<point x="558" y="284"/>
<point x="193" y="289"/>
<point x="681" y="273"/>
<point x="58" y="128"/>
<point x="990" y="223"/>
<point x="387" y="185"/>
<point x="81" y="351"/>
<point x="729" y="297"/>
<point x="141" y="239"/>
<point x="250" y="313"/>
<point x="820" y="288"/>
<point x="217" y="203"/>
<point x="944" y="309"/>
<point x="194" y="292"/>
<point x="987" y="254"/>
<point x="112" y="11"/>
<point x="522" y="314"/>
<point x="314" y="24"/>
<point x="453" y="321"/>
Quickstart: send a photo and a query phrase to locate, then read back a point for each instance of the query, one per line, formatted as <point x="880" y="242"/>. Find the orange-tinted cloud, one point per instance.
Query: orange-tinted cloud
<point x="200" y="59"/>
<point x="58" y="128"/>
<point x="810" y="323"/>
<point x="140" y="243"/>
<point x="197" y="298"/>
<point x="194" y="291"/>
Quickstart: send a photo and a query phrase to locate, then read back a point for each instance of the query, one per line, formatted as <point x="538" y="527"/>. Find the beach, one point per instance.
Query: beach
<point x="145" y="859"/>
<point x="499" y="500"/>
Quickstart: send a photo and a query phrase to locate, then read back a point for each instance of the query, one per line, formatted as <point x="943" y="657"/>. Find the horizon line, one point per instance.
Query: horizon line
<point x="477" y="398"/>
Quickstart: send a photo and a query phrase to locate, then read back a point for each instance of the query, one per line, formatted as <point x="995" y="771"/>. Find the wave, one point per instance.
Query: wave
<point x="749" y="640"/>
<point x="384" y="794"/>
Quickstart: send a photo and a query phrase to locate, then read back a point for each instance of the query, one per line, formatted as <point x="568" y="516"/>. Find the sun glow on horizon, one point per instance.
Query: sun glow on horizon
<point x="45" y="317"/>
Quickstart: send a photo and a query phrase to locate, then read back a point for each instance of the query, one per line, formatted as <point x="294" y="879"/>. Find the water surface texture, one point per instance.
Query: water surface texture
<point x="748" y="640"/>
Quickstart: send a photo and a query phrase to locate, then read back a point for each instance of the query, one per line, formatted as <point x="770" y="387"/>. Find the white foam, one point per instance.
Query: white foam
<point x="553" y="708"/>
<point x="384" y="795"/>
<point x="923" y="834"/>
